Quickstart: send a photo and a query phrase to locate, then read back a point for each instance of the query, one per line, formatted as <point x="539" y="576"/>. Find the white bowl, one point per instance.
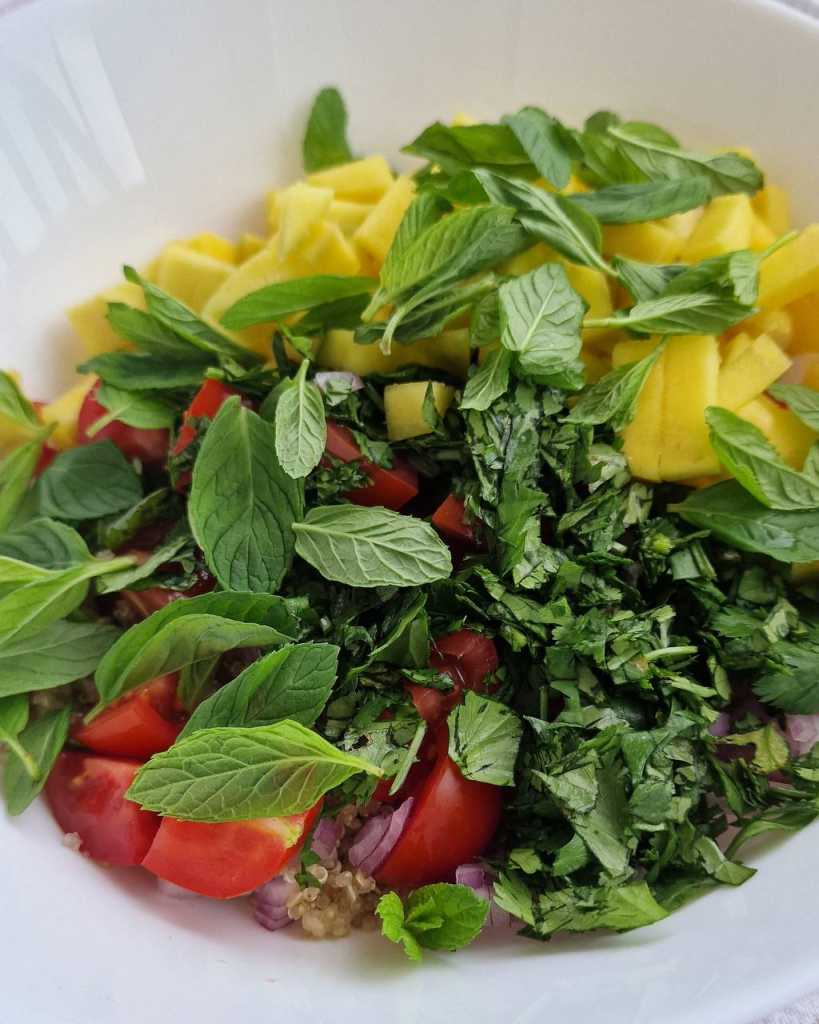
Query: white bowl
<point x="123" y="124"/>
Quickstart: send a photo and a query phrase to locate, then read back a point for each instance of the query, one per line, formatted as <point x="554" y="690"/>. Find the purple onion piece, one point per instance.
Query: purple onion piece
<point x="326" y="377"/>
<point x="801" y="732"/>
<point x="270" y="903"/>
<point x="722" y="725"/>
<point x="479" y="880"/>
<point x="378" y="836"/>
<point x="325" y="838"/>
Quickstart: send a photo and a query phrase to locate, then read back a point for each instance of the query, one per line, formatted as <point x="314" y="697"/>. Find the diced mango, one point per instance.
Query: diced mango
<point x="89" y="318"/>
<point x="750" y="372"/>
<point x="362" y="181"/>
<point x="190" y="275"/>
<point x="575" y="184"/>
<point x="683" y="224"/>
<point x="249" y="245"/>
<point x="734" y="347"/>
<point x="593" y="286"/>
<point x="691" y="372"/>
<point x="404" y="407"/>
<point x="792" y="272"/>
<point x="805" y="318"/>
<point x="449" y="351"/>
<point x="328" y="251"/>
<point x="300" y="208"/>
<point x="725" y="226"/>
<point x="643" y="437"/>
<point x="761" y="234"/>
<point x="778" y="324"/>
<point x="597" y="366"/>
<point x="214" y="245"/>
<point x="773" y="205"/>
<point x="340" y="351"/>
<point x="529" y="259"/>
<point x="271" y="209"/>
<point x="64" y="411"/>
<point x="348" y="215"/>
<point x="650" y="242"/>
<point x="375" y="235"/>
<point x="791" y="438"/>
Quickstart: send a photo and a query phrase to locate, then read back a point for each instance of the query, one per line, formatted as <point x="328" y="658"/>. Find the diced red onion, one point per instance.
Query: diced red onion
<point x="378" y="836"/>
<point x="177" y="892"/>
<point x="479" y="880"/>
<point x="722" y="725"/>
<point x="801" y="732"/>
<point x="326" y="377"/>
<point x="270" y="903"/>
<point x="325" y="838"/>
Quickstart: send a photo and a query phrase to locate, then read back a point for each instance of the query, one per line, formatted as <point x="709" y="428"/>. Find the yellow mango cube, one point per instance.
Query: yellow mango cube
<point x="593" y="286"/>
<point x="348" y="215"/>
<point x="214" y="245"/>
<point x="529" y="259"/>
<point x="339" y="351"/>
<point x="804" y="315"/>
<point x="89" y="318"/>
<point x="596" y="366"/>
<point x="64" y="411"/>
<point x="788" y="434"/>
<point x="190" y="275"/>
<point x="271" y="209"/>
<point x="643" y="437"/>
<point x="404" y="407"/>
<point x="734" y="347"/>
<point x="777" y="324"/>
<point x="449" y="351"/>
<point x="691" y="375"/>
<point x="650" y="242"/>
<point x="328" y="251"/>
<point x="362" y="181"/>
<point x="300" y="208"/>
<point x="725" y="226"/>
<point x="761" y="234"/>
<point x="750" y="372"/>
<point x="773" y="204"/>
<point x="792" y="272"/>
<point x="375" y="235"/>
<point x="683" y="224"/>
<point x="249" y="245"/>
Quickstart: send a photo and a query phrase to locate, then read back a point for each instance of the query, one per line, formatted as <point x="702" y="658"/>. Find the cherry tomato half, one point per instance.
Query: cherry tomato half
<point x="452" y="821"/>
<point x="392" y="488"/>
<point x="134" y="442"/>
<point x="450" y="520"/>
<point x="86" y="794"/>
<point x="207" y="401"/>
<point x="467" y="658"/>
<point x="227" y="859"/>
<point x="137" y="725"/>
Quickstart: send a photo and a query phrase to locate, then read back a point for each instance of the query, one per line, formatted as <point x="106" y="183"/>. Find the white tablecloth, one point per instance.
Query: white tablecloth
<point x="806" y="1011"/>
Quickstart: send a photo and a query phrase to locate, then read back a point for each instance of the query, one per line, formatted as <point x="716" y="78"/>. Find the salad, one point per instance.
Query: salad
<point x="446" y="558"/>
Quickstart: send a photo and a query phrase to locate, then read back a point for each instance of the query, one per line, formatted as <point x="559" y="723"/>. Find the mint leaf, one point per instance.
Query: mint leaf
<point x="88" y="482"/>
<point x="126" y="578"/>
<point x="285" y="297"/>
<point x="613" y="398"/>
<point x="325" y="138"/>
<point x="146" y="332"/>
<point x="46" y="543"/>
<point x="697" y="313"/>
<point x="371" y="547"/>
<point x="301" y="428"/>
<point x="151" y="372"/>
<point x="440" y="916"/>
<point x="734" y="275"/>
<point x="753" y="461"/>
<point x="644" y="280"/>
<point x="541" y="316"/>
<point x="294" y="682"/>
<point x="634" y="203"/>
<point x="188" y="631"/>
<point x="426" y="209"/>
<point x="14" y="405"/>
<point x="237" y="774"/>
<point x="13" y="717"/>
<point x="158" y="506"/>
<point x="242" y="505"/>
<point x="26" y="773"/>
<point x="54" y="656"/>
<point x="802" y="402"/>
<point x="131" y="408"/>
<point x="489" y="382"/>
<point x="16" y="475"/>
<point x="455" y="148"/>
<point x="484" y="737"/>
<point x="736" y="518"/>
<point x="543" y="139"/>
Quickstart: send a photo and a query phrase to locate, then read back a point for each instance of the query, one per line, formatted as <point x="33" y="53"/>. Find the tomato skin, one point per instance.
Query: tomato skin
<point x="228" y="859"/>
<point x="450" y="520"/>
<point x="467" y="658"/>
<point x="150" y="446"/>
<point x="452" y="822"/>
<point x="86" y="794"/>
<point x="138" y="725"/>
<point x="392" y="488"/>
<point x="207" y="401"/>
<point x="47" y="456"/>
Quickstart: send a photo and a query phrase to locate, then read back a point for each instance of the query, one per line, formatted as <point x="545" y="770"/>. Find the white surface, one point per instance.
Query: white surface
<point x="124" y="123"/>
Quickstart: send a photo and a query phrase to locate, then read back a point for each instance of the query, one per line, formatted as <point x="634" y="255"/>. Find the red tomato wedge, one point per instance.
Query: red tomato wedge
<point x="207" y="401"/>
<point x="86" y="794"/>
<point x="137" y="725"/>
<point x="452" y="822"/>
<point x="467" y="658"/>
<point x="450" y="520"/>
<point x="228" y="859"/>
<point x="392" y="488"/>
<point x="134" y="443"/>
